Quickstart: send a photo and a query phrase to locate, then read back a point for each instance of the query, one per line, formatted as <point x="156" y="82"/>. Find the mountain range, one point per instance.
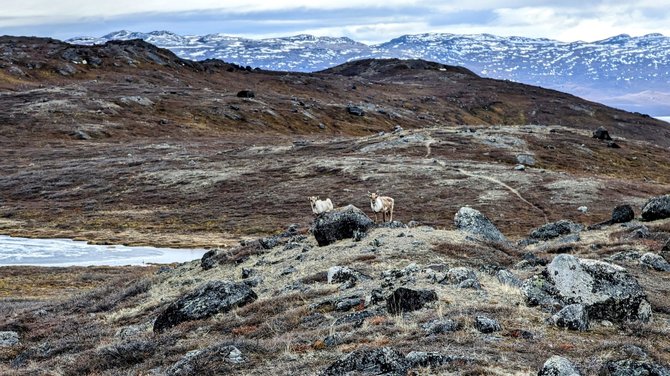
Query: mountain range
<point x="622" y="71"/>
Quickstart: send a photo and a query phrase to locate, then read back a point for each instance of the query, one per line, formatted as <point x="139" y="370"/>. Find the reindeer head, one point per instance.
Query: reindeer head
<point x="373" y="196"/>
<point x="313" y="199"/>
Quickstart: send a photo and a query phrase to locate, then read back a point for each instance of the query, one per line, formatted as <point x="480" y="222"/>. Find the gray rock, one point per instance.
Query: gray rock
<point x="537" y="291"/>
<point x="607" y="291"/>
<point x="441" y="326"/>
<point x="487" y="325"/>
<point x="384" y="360"/>
<point x="9" y="338"/>
<point x="558" y="366"/>
<point x="208" y="300"/>
<point x="622" y="214"/>
<point x="246" y="94"/>
<point x="602" y="134"/>
<point x="341" y="223"/>
<point x="355" y="318"/>
<point x="630" y="367"/>
<point x="348" y="303"/>
<point x="407" y="300"/>
<point x="506" y="277"/>
<point x="655" y="262"/>
<point x="665" y="251"/>
<point x="340" y="274"/>
<point x="459" y="274"/>
<point x="572" y="317"/>
<point x="640" y="232"/>
<point x="525" y="159"/>
<point x="554" y="230"/>
<point x="472" y="221"/>
<point x="520" y="167"/>
<point x="355" y="110"/>
<point x="427" y="359"/>
<point x="583" y="209"/>
<point x="656" y="208"/>
<point x="198" y="362"/>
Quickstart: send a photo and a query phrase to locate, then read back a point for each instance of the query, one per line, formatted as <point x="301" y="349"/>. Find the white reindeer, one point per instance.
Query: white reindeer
<point x="320" y="206"/>
<point x="381" y="204"/>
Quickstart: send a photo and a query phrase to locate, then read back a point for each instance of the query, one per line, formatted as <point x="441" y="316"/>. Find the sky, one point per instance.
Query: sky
<point x="369" y="21"/>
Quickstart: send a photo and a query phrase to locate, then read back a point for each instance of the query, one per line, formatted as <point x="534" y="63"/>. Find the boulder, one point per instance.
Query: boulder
<point x="537" y="291"/>
<point x="441" y="326"/>
<point x="340" y="223"/>
<point x="558" y="366"/>
<point x="506" y="277"/>
<point x="487" y="325"/>
<point x="355" y="110"/>
<point x="554" y="230"/>
<point x="9" y="338"/>
<point x="622" y="214"/>
<point x="655" y="262"/>
<point x="631" y="367"/>
<point x="340" y="274"/>
<point x="607" y="291"/>
<point x="472" y="221"/>
<point x="246" y="94"/>
<point x="384" y="360"/>
<point x="424" y="359"/>
<point x="463" y="277"/>
<point x="602" y="134"/>
<point x="525" y="159"/>
<point x="656" y="208"/>
<point x="198" y="362"/>
<point x="572" y="317"/>
<point x="407" y="300"/>
<point x="212" y="298"/>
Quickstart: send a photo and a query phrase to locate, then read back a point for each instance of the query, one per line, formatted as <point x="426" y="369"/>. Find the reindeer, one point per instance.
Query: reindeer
<point x="320" y="206"/>
<point x="381" y="204"/>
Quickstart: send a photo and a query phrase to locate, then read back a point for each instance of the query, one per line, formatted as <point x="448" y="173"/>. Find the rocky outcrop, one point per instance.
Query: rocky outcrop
<point x="210" y="299"/>
<point x="407" y="300"/>
<point x="506" y="277"/>
<point x="246" y="94"/>
<point x="355" y="110"/>
<point x="475" y="223"/>
<point x="462" y="277"/>
<point x="441" y="326"/>
<point x="655" y="262"/>
<point x="341" y="223"/>
<point x="607" y="291"/>
<point x="558" y="366"/>
<point x="427" y="359"/>
<point x="656" y="208"/>
<point x="380" y="361"/>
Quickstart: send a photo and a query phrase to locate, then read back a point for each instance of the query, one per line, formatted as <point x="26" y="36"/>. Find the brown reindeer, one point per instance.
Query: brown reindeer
<point x="383" y="204"/>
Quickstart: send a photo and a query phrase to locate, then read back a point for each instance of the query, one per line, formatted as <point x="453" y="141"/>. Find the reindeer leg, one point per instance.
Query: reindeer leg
<point x="375" y="217"/>
<point x="391" y="215"/>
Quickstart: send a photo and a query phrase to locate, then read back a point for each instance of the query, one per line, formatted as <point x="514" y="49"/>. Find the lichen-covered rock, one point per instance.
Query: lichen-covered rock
<point x="199" y="362"/>
<point x="209" y="299"/>
<point x="622" y="214"/>
<point x="474" y="222"/>
<point x="558" y="366"/>
<point x="602" y="134"/>
<point x="9" y="338"/>
<point x="340" y="223"/>
<point x="655" y="262"/>
<point x="340" y="274"/>
<point x="607" y="291"/>
<point x="379" y="361"/>
<point x="572" y="317"/>
<point x="427" y="359"/>
<point x="441" y="326"/>
<point x="537" y="291"/>
<point x="554" y="230"/>
<point x="630" y="367"/>
<point x="462" y="277"/>
<point x="656" y="208"/>
<point x="487" y="325"/>
<point x="506" y="277"/>
<point x="407" y="300"/>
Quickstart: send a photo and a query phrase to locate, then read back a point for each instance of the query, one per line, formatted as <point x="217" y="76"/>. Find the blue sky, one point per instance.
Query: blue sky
<point x="370" y="21"/>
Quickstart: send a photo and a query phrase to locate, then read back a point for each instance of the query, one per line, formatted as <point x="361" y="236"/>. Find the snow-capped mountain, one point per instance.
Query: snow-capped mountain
<point x="613" y="70"/>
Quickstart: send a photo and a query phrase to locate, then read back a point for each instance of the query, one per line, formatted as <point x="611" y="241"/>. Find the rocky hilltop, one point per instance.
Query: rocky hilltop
<point x="531" y="229"/>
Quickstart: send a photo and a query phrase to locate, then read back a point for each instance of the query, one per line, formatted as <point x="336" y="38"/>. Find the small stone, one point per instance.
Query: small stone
<point x="441" y="326"/>
<point x="583" y="209"/>
<point x="655" y="262"/>
<point x="520" y="167"/>
<point x="572" y="317"/>
<point x="9" y="338"/>
<point x="487" y="325"/>
<point x="558" y="366"/>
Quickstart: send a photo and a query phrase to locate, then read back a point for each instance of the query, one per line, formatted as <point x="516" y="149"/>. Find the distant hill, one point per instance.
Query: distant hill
<point x="623" y="71"/>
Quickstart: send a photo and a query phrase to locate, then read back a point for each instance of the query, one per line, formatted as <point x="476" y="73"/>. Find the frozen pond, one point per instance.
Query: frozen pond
<point x="66" y="252"/>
